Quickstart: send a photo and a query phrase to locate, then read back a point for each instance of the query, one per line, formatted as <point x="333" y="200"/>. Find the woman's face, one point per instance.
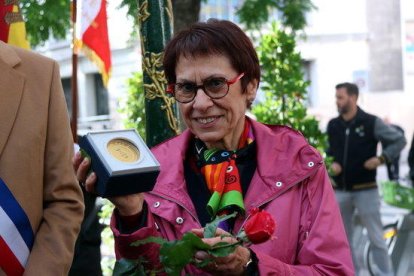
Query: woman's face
<point x="217" y="122"/>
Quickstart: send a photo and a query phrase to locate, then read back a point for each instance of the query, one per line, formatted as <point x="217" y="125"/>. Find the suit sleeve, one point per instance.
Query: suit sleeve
<point x="62" y="198"/>
<point x="123" y="247"/>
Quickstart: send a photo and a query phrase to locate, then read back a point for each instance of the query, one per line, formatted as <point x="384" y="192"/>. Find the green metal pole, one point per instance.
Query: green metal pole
<point x="155" y="20"/>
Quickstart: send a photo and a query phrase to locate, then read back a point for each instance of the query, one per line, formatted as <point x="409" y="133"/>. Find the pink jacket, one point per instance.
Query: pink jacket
<point x="290" y="182"/>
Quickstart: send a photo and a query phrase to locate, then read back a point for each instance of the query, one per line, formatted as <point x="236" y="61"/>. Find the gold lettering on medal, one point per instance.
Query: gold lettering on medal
<point x="123" y="150"/>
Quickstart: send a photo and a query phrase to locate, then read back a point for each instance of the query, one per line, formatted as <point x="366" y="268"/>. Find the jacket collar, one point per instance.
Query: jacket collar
<point x="11" y="90"/>
<point x="358" y="115"/>
<point x="283" y="159"/>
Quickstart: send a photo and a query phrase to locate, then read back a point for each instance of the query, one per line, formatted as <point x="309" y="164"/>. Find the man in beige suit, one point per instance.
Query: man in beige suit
<point x="40" y="200"/>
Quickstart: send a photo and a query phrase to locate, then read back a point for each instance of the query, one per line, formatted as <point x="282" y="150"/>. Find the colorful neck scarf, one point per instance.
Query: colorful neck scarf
<point x="222" y="176"/>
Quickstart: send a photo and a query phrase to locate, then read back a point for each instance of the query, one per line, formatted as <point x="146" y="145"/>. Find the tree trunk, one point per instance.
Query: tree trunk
<point x="185" y="13"/>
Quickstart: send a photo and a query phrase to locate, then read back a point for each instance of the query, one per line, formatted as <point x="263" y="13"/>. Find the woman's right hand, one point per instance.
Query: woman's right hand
<point x="127" y="205"/>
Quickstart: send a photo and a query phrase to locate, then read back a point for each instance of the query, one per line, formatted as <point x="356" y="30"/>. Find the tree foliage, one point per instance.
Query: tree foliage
<point x="133" y="106"/>
<point x="255" y="13"/>
<point x="52" y="18"/>
<point x="45" y="19"/>
<point x="285" y="87"/>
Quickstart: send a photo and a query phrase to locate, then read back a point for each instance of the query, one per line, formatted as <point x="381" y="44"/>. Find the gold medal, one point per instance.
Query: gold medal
<point x="123" y="150"/>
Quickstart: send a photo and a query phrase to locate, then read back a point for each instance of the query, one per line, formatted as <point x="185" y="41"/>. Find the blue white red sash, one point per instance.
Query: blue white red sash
<point x="16" y="234"/>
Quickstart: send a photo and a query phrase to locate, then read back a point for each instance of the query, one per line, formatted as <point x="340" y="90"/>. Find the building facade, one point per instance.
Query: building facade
<point x="366" y="42"/>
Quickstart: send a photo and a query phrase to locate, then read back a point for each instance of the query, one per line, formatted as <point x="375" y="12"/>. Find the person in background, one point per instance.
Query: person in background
<point x="87" y="257"/>
<point x="213" y="72"/>
<point x="353" y="139"/>
<point x="393" y="167"/>
<point x="41" y="204"/>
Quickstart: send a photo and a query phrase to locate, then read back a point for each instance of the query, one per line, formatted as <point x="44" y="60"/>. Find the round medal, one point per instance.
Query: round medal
<point x="123" y="150"/>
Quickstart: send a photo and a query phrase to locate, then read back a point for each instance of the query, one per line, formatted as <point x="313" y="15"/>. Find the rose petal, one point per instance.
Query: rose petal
<point x="260" y="226"/>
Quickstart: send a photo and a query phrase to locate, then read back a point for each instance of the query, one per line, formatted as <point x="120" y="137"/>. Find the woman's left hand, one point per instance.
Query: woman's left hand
<point x="233" y="264"/>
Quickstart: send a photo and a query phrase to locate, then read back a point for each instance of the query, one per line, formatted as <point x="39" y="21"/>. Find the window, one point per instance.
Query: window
<point x="307" y="68"/>
<point x="220" y="9"/>
<point x="101" y="96"/>
<point x="67" y="89"/>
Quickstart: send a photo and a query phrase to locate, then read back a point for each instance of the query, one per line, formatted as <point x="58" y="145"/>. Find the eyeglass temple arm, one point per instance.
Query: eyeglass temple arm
<point x="235" y="79"/>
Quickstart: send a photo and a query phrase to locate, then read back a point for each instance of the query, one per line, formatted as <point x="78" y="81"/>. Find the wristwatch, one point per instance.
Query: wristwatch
<point x="250" y="267"/>
<point x="249" y="262"/>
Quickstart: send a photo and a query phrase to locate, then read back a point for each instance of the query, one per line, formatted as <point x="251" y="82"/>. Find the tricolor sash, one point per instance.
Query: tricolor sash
<point x="16" y="234"/>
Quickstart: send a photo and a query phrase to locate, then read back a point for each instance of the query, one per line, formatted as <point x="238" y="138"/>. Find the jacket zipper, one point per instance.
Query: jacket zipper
<point x="345" y="159"/>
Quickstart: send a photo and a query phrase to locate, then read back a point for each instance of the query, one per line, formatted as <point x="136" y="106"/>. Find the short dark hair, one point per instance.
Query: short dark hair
<point x="351" y="88"/>
<point x="209" y="38"/>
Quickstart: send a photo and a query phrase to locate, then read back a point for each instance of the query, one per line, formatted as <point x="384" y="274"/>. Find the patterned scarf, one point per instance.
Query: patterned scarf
<point x="222" y="176"/>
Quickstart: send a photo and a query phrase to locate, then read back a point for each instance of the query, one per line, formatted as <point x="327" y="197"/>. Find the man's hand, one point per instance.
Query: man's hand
<point x="127" y="205"/>
<point x="372" y="163"/>
<point x="336" y="168"/>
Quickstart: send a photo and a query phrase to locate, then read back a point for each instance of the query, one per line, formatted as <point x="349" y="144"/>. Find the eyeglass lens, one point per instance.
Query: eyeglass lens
<point x="213" y="87"/>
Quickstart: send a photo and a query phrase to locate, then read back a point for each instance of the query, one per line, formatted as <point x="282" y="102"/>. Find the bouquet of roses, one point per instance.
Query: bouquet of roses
<point x="175" y="255"/>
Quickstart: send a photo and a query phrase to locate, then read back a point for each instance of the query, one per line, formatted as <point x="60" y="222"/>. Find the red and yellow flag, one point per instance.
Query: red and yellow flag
<point x="92" y="34"/>
<point x="12" y="26"/>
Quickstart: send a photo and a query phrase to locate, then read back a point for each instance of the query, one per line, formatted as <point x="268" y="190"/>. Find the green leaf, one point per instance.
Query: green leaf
<point x="223" y="249"/>
<point x="175" y="255"/>
<point x="133" y="106"/>
<point x="210" y="228"/>
<point x="157" y="240"/>
<point x="285" y="87"/>
<point x="84" y="154"/>
<point x="127" y="267"/>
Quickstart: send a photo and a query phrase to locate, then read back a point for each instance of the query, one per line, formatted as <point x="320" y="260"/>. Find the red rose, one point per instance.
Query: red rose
<point x="260" y="226"/>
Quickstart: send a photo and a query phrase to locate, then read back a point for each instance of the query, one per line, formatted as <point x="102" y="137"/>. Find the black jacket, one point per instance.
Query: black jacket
<point x="353" y="142"/>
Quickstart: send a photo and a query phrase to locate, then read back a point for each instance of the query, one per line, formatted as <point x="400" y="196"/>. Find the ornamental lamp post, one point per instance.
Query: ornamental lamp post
<point x="155" y="24"/>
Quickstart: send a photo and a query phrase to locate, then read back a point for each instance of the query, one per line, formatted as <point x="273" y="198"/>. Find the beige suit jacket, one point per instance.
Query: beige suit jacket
<point x="36" y="149"/>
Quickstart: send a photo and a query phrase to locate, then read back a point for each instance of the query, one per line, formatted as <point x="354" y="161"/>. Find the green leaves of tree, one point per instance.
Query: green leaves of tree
<point x="133" y="106"/>
<point x="254" y="13"/>
<point x="45" y="19"/>
<point x="285" y="88"/>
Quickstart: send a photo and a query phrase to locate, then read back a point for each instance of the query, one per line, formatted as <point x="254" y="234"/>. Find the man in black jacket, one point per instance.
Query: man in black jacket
<point x="353" y="139"/>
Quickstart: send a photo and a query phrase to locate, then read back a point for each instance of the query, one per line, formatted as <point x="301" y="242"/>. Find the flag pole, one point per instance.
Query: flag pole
<point x="74" y="81"/>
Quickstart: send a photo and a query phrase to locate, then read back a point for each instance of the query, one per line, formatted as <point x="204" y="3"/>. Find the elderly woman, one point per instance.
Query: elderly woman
<point x="213" y="72"/>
